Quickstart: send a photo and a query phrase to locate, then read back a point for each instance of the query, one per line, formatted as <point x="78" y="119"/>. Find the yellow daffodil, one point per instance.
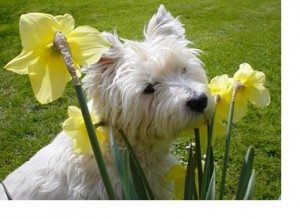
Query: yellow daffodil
<point x="219" y="87"/>
<point x="252" y="86"/>
<point x="43" y="62"/>
<point x="74" y="127"/>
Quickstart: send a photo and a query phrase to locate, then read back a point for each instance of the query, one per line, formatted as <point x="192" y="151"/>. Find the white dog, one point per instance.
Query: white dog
<point x="153" y="90"/>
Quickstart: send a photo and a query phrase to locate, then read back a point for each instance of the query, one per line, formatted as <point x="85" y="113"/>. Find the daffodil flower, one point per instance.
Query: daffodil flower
<point x="251" y="86"/>
<point x="74" y="127"/>
<point x="219" y="87"/>
<point x="43" y="62"/>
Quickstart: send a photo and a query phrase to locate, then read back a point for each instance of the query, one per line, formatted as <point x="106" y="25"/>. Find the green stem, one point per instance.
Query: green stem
<point x="227" y="146"/>
<point x="60" y="43"/>
<point x="94" y="141"/>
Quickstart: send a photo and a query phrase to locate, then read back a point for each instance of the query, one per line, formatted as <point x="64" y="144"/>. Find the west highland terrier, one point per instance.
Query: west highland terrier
<point x="153" y="90"/>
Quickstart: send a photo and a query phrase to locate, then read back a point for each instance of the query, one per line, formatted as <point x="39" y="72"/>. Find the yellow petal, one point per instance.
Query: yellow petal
<point x="243" y="73"/>
<point x="20" y="63"/>
<point x="73" y="127"/>
<point x="246" y="68"/>
<point x="248" y="76"/>
<point x="66" y="23"/>
<point x="258" y="96"/>
<point x="74" y="111"/>
<point x="240" y="107"/>
<point x="220" y="85"/>
<point x="82" y="145"/>
<point x="241" y="76"/>
<point x="48" y="77"/>
<point x="257" y="78"/>
<point x="37" y="30"/>
<point x="222" y="109"/>
<point x="87" y="45"/>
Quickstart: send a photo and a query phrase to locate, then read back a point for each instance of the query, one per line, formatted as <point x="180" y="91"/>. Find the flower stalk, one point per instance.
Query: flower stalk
<point x="236" y="87"/>
<point x="61" y="44"/>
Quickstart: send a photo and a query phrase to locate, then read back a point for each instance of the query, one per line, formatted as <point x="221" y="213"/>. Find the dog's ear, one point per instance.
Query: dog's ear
<point x="163" y="24"/>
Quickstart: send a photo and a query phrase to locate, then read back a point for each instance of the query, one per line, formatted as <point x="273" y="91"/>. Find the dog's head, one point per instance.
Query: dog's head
<point x="153" y="89"/>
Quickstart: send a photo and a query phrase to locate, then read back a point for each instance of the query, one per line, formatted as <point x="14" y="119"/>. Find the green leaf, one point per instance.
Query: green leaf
<point x="189" y="185"/>
<point x="123" y="168"/>
<point x="211" y="191"/>
<point x="209" y="164"/>
<point x="227" y="147"/>
<point x="245" y="174"/>
<point x="136" y="169"/>
<point x="129" y="189"/>
<point x="137" y="181"/>
<point x="116" y="152"/>
<point x="250" y="187"/>
<point x="197" y="159"/>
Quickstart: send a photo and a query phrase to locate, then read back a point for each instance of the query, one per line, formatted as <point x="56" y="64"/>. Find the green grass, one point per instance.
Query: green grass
<point x="228" y="32"/>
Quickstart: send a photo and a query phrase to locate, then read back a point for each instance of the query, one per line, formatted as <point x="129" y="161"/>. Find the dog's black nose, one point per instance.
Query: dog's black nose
<point x="197" y="103"/>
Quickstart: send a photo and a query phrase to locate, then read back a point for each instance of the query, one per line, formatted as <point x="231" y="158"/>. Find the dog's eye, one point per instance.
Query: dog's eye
<point x="184" y="70"/>
<point x="149" y="89"/>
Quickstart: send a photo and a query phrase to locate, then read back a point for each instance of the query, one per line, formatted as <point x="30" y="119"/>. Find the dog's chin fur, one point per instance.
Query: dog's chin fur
<point x="151" y="118"/>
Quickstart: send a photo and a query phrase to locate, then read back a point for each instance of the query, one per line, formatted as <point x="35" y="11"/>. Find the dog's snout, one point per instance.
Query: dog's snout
<point x="197" y="103"/>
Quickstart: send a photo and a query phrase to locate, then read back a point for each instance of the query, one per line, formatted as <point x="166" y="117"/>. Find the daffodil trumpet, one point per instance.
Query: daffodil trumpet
<point x="61" y="44"/>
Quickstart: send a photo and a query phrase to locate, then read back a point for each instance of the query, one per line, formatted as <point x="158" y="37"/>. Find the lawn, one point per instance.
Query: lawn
<point x="228" y="32"/>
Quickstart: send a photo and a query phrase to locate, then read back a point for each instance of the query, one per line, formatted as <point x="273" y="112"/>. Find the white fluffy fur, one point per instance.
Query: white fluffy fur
<point x="151" y="121"/>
